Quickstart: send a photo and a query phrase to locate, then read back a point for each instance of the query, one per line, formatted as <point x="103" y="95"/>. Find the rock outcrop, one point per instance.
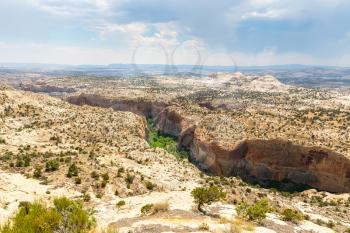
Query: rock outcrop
<point x="265" y="160"/>
<point x="140" y="107"/>
<point x="275" y="160"/>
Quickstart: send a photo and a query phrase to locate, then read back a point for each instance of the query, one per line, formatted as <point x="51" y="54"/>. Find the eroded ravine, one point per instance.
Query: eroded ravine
<point x="263" y="160"/>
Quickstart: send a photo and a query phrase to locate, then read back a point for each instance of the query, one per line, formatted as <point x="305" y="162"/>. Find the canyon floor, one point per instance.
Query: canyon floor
<point x="88" y="138"/>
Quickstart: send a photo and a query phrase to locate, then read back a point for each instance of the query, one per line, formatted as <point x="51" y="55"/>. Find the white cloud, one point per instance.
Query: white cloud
<point x="271" y="14"/>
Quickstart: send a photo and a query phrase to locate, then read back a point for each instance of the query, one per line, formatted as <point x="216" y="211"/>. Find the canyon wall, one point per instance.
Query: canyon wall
<point x="275" y="160"/>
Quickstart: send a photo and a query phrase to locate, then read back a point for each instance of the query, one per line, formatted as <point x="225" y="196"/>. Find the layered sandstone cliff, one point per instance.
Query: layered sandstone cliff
<point x="275" y="160"/>
<point x="264" y="159"/>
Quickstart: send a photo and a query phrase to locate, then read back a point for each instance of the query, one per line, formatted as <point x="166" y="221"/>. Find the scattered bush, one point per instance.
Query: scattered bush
<point x="56" y="139"/>
<point x="2" y="141"/>
<point x="330" y="224"/>
<point x="105" y="176"/>
<point x="292" y="215"/>
<point x="129" y="178"/>
<point x="255" y="212"/>
<point x="150" y="185"/>
<point x="72" y="170"/>
<point x="37" y="171"/>
<point x="105" y="180"/>
<point x="77" y="180"/>
<point x="86" y="197"/>
<point x="203" y="227"/>
<point x="120" y="204"/>
<point x="146" y="209"/>
<point x="52" y="165"/>
<point x="65" y="216"/>
<point x="95" y="175"/>
<point x="23" y="161"/>
<point x="208" y="195"/>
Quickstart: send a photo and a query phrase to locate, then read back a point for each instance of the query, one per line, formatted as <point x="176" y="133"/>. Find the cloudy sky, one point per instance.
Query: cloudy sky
<point x="221" y="32"/>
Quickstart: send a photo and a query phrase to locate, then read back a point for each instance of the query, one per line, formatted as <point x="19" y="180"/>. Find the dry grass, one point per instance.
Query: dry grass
<point x="239" y="225"/>
<point x="160" y="207"/>
<point x="203" y="227"/>
<point x="108" y="229"/>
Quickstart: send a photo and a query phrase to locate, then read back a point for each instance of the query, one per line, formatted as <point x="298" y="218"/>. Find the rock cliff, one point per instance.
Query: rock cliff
<point x="265" y="160"/>
<point x="275" y="160"/>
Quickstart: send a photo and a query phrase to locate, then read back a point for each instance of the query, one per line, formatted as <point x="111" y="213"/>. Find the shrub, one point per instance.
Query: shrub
<point x="146" y="209"/>
<point x="52" y="165"/>
<point x="105" y="180"/>
<point x="6" y="157"/>
<point x="104" y="183"/>
<point x="86" y="197"/>
<point x="129" y="178"/>
<point x="105" y="176"/>
<point x="65" y="216"/>
<point x="150" y="185"/>
<point x="74" y="217"/>
<point x="2" y="141"/>
<point x="120" y="204"/>
<point x="204" y="227"/>
<point x="72" y="170"/>
<point x="292" y="215"/>
<point x="77" y="180"/>
<point x="95" y="175"/>
<point x="23" y="161"/>
<point x="255" y="212"/>
<point x="37" y="171"/>
<point x="330" y="224"/>
<point x="207" y="196"/>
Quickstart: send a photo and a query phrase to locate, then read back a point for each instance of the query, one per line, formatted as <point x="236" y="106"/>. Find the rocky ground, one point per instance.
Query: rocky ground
<point x="101" y="155"/>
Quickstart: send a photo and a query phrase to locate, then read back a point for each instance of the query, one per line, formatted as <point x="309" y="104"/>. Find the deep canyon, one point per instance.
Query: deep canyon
<point x="257" y="159"/>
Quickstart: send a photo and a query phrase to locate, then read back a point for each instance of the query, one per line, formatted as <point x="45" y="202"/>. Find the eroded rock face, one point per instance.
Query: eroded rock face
<point x="275" y="160"/>
<point x="140" y="107"/>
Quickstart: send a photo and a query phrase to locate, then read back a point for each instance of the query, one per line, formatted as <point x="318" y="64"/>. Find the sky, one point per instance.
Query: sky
<point x="201" y="32"/>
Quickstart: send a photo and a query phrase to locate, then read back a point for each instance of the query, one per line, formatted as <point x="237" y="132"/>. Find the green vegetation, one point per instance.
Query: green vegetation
<point x="208" y="195"/>
<point x="146" y="209"/>
<point x="256" y="212"/>
<point x="37" y="171"/>
<point x="65" y="216"/>
<point x="72" y="170"/>
<point x="150" y="186"/>
<point x="168" y="143"/>
<point x="129" y="178"/>
<point x="23" y="161"/>
<point x="120" y="204"/>
<point x="95" y="175"/>
<point x="52" y="165"/>
<point x="150" y="209"/>
<point x="291" y="215"/>
<point x="105" y="180"/>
